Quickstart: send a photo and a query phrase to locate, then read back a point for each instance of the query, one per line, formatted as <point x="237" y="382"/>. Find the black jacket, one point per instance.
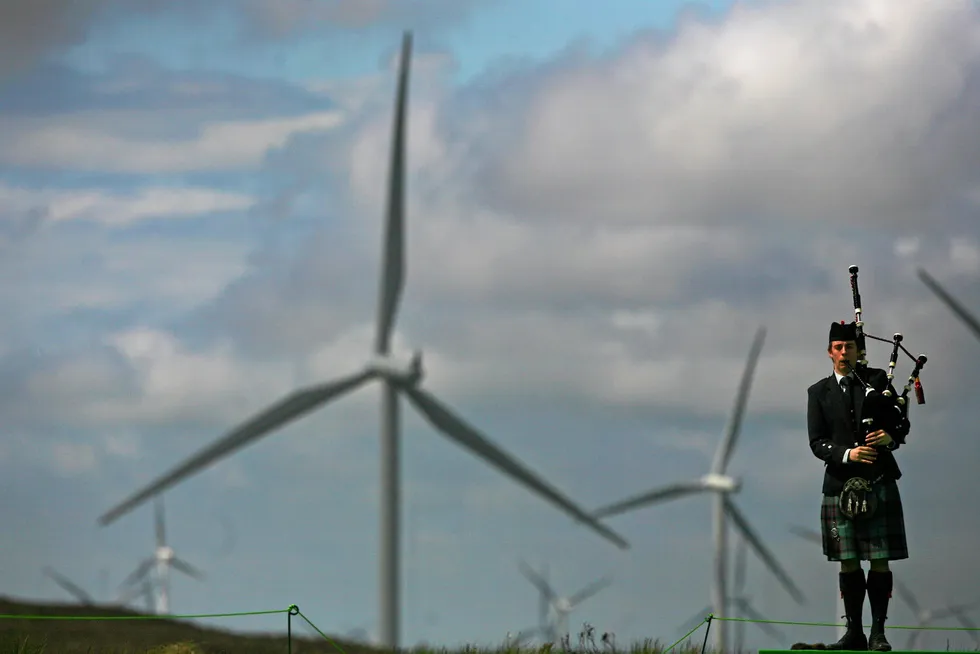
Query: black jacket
<point x="832" y="431"/>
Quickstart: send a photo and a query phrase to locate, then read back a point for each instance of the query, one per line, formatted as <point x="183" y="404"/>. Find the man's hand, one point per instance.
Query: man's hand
<point x="863" y="455"/>
<point x="880" y="437"/>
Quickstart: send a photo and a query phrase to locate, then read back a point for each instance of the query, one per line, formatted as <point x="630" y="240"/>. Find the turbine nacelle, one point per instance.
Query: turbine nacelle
<point x="398" y="370"/>
<point x="721" y="483"/>
<point x="165" y="553"/>
<point x="563" y="605"/>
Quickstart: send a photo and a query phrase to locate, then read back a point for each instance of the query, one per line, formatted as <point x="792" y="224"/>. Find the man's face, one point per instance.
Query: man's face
<point x="842" y="353"/>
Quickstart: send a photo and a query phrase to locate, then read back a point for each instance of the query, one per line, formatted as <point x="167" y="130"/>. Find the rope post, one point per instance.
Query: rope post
<point x="293" y="610"/>
<point x="707" y="630"/>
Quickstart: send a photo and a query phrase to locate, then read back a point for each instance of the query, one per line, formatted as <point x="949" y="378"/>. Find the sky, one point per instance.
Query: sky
<point x="603" y="208"/>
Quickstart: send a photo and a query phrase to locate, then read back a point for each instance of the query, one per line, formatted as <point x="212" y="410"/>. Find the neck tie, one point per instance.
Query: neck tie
<point x="847" y="386"/>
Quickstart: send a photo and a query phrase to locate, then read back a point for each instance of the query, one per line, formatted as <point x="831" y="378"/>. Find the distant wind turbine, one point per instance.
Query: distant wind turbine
<point x="562" y="606"/>
<point x="722" y="486"/>
<point x="395" y="378"/>
<point x="162" y="560"/>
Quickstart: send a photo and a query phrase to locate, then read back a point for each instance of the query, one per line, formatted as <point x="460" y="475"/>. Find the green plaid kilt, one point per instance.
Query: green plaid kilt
<point x="881" y="537"/>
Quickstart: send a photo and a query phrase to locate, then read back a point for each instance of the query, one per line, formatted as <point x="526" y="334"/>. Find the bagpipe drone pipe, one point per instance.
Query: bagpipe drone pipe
<point x="883" y="409"/>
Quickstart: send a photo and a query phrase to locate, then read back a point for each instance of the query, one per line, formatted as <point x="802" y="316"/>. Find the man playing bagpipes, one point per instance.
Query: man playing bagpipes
<point x="856" y="421"/>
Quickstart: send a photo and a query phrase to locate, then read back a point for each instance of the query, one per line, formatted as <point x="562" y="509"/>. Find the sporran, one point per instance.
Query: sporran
<point x="858" y="501"/>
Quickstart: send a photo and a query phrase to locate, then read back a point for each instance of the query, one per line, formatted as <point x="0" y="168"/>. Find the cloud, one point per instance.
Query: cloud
<point x="220" y="145"/>
<point x="33" y="30"/>
<point x="116" y="209"/>
<point x="74" y="458"/>
<point x="851" y="114"/>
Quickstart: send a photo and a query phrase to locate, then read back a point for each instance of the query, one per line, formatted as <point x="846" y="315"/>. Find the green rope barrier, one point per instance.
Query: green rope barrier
<point x="707" y="621"/>
<point x="4" y="616"/>
<point x="325" y="636"/>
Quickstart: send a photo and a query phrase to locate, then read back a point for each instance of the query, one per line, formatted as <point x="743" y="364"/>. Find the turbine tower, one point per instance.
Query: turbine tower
<point x="722" y="486"/>
<point x="394" y="378"/>
<point x="968" y="318"/>
<point x="161" y="561"/>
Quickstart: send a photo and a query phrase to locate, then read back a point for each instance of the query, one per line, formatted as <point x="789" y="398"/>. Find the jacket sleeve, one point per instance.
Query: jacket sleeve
<point x="821" y="442"/>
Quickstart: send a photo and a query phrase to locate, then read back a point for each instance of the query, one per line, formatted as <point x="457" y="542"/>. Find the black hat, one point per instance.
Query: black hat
<point x="839" y="331"/>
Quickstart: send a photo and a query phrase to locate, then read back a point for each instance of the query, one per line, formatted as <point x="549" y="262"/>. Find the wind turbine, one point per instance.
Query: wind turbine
<point x="722" y="486"/>
<point x="395" y="378"/>
<point x="162" y="560"/>
<point x="961" y="312"/>
<point x="562" y="606"/>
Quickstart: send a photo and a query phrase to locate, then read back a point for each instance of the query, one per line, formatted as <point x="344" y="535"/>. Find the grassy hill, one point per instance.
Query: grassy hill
<point x="167" y="636"/>
<point x="156" y="636"/>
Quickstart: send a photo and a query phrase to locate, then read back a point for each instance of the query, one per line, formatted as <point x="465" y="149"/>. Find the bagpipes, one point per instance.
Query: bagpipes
<point x="883" y="409"/>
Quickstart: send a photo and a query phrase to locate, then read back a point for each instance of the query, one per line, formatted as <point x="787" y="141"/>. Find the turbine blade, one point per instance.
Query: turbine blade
<point x="393" y="261"/>
<point x="542" y="585"/>
<point x="954" y="609"/>
<point x="456" y="429"/>
<point x="806" y="534"/>
<point x="741" y="552"/>
<point x="126" y="596"/>
<point x="139" y="572"/>
<point x="589" y="591"/>
<point x="187" y="568"/>
<point x="969" y="624"/>
<point x="749" y="534"/>
<point x="724" y="452"/>
<point x="286" y="410"/>
<point x="72" y="588"/>
<point x="650" y="497"/>
<point x="908" y="597"/>
<point x="544" y="601"/>
<point x="161" y="529"/>
<point x="752" y="614"/>
<point x="961" y="312"/>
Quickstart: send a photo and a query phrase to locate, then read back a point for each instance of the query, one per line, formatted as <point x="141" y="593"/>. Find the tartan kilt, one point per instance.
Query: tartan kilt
<point x="881" y="537"/>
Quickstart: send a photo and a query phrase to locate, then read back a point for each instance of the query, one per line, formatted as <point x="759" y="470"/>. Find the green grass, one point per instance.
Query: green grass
<point x="165" y="636"/>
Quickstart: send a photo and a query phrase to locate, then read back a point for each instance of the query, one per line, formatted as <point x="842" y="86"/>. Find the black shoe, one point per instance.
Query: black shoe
<point x="877" y="641"/>
<point x="853" y="639"/>
<point x="852" y="587"/>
